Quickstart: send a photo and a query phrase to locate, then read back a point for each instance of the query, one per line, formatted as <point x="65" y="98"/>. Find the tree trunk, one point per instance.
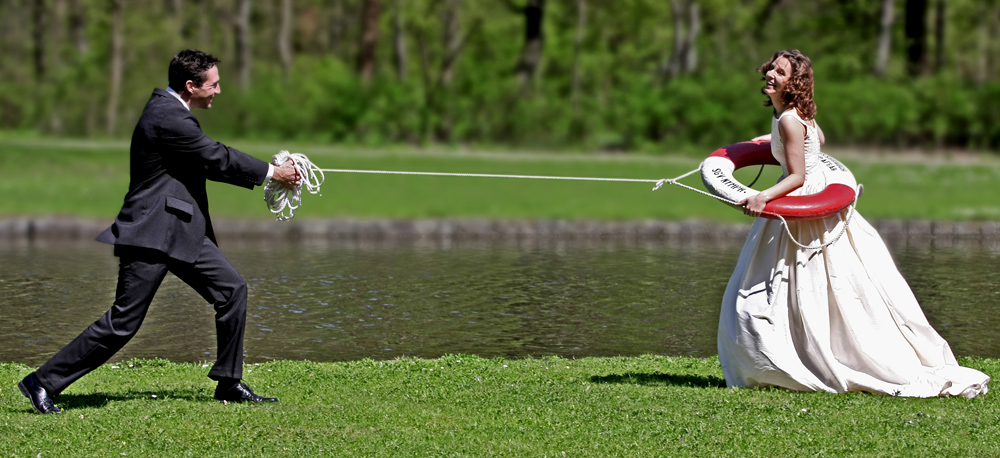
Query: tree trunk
<point x="939" y="26"/>
<point x="285" y="38"/>
<point x="452" y="41"/>
<point x="672" y="67"/>
<point x="429" y="89"/>
<point x="204" y="28"/>
<point x="885" y="38"/>
<point x="115" y="81"/>
<point x="336" y="29"/>
<point x="38" y="34"/>
<point x="399" y="41"/>
<point x="78" y="25"/>
<point x="991" y="33"/>
<point x="425" y="60"/>
<point x="986" y="42"/>
<point x="57" y="28"/>
<point x="581" y="24"/>
<point x="241" y="26"/>
<point x="437" y="88"/>
<point x="916" y="36"/>
<point x="369" y="40"/>
<point x="683" y="59"/>
<point x="531" y="54"/>
<point x="176" y="10"/>
<point x="690" y="50"/>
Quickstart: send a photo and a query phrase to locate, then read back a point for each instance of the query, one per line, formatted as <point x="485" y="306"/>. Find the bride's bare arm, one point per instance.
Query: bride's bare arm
<point x="792" y="134"/>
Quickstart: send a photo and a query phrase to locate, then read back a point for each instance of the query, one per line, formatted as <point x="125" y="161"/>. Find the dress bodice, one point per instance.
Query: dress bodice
<point x="814" y="173"/>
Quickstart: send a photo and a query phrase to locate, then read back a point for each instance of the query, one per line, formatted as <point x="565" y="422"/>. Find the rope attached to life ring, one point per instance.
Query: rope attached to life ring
<point x="847" y="221"/>
<point x="280" y="198"/>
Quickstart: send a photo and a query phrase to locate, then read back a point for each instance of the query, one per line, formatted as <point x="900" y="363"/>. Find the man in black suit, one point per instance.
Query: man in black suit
<point x="164" y="226"/>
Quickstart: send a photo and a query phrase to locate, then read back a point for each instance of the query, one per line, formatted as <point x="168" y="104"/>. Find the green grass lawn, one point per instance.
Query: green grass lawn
<point x="461" y="405"/>
<point x="89" y="179"/>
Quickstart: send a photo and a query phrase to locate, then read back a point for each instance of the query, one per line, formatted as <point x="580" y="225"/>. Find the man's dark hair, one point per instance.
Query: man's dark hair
<point x="190" y="64"/>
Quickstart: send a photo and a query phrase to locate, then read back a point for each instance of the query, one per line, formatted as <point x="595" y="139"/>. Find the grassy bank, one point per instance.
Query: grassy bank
<point x="462" y="405"/>
<point x="90" y="180"/>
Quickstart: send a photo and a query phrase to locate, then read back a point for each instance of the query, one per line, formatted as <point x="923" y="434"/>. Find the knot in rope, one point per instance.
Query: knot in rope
<point x="664" y="181"/>
<point x="279" y="197"/>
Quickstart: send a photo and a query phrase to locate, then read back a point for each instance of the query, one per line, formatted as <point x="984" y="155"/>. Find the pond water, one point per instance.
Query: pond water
<point x="326" y="300"/>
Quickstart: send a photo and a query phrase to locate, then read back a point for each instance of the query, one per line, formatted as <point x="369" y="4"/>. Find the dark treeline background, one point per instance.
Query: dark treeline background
<point x="635" y="75"/>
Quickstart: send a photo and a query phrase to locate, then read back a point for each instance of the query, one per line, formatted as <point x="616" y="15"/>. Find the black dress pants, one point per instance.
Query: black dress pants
<point x="140" y="273"/>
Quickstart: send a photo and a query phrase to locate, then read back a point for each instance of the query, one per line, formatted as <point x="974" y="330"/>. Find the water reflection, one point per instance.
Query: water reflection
<point x="328" y="300"/>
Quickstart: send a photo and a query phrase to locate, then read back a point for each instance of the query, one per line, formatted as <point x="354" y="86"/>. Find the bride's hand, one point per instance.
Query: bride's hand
<point x="765" y="137"/>
<point x="754" y="205"/>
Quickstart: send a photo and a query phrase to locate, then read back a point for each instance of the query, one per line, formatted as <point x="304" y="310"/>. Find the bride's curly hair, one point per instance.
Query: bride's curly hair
<point x="799" y="89"/>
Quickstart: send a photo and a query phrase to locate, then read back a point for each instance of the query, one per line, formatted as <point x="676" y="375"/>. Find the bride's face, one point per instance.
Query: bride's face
<point x="776" y="79"/>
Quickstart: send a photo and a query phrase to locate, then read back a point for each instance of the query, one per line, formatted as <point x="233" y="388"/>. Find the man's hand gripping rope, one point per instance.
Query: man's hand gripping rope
<point x="284" y="191"/>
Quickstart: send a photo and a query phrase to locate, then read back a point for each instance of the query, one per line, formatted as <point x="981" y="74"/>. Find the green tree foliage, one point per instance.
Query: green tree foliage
<point x="458" y="81"/>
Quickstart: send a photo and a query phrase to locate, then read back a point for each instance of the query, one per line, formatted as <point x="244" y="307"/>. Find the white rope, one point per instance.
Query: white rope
<point x="492" y="175"/>
<point x="279" y="197"/>
<point x="843" y="229"/>
<point x="676" y="182"/>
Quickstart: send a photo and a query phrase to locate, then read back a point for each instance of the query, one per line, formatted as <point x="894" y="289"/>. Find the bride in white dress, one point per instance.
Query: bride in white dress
<point x="836" y="319"/>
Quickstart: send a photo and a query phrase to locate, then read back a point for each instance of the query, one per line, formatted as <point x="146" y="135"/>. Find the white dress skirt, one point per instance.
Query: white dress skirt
<point x="836" y="319"/>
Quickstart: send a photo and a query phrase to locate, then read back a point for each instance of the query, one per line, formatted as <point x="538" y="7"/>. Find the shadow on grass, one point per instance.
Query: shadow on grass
<point x="75" y="401"/>
<point x="703" y="381"/>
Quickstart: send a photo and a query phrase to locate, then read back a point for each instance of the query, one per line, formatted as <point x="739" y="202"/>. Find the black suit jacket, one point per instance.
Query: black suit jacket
<point x="166" y="207"/>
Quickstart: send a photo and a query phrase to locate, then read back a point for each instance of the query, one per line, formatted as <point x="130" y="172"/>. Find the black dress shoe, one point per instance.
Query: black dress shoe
<point x="39" y="398"/>
<point x="240" y="393"/>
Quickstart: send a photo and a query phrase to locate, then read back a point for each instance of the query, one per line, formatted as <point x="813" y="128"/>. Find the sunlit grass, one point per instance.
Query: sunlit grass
<point x="463" y="405"/>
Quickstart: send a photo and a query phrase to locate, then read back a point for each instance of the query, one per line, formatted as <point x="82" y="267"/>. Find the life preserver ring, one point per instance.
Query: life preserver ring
<point x="717" y="174"/>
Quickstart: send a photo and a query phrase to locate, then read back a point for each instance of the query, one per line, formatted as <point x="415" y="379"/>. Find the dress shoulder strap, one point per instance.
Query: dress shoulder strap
<point x="795" y="113"/>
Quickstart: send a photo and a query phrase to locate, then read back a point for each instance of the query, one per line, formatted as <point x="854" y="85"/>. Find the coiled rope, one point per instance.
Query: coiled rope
<point x="280" y="198"/>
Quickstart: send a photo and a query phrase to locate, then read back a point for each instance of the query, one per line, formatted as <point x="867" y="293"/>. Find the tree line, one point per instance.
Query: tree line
<point x="631" y="75"/>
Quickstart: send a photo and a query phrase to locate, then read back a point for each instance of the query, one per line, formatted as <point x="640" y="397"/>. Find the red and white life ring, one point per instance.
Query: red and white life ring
<point x="717" y="174"/>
